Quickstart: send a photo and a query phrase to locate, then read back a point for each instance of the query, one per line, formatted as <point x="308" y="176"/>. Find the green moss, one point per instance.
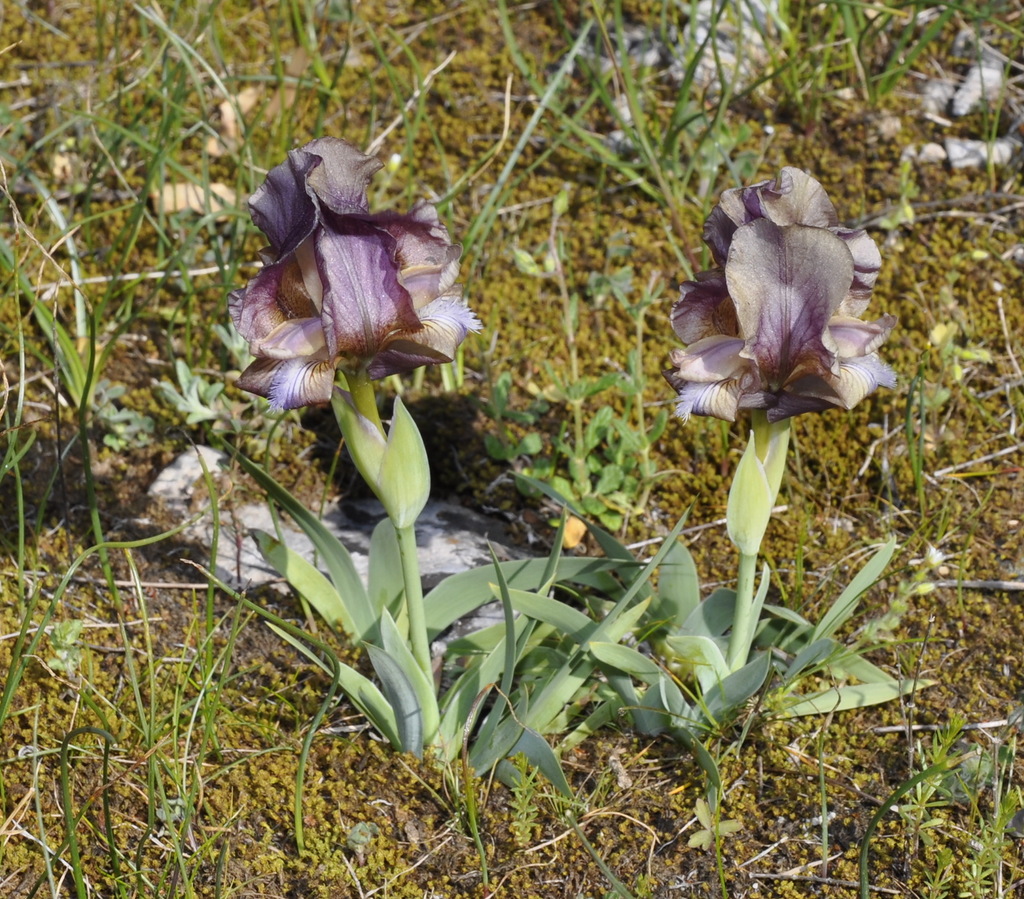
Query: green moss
<point x="225" y="739"/>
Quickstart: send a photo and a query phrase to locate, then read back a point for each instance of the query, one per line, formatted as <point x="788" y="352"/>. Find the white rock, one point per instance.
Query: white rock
<point x="936" y="96"/>
<point x="931" y="153"/>
<point x="177" y="483"/>
<point x="889" y="126"/>
<point x="983" y="82"/>
<point x="965" y="154"/>
<point x="449" y="538"/>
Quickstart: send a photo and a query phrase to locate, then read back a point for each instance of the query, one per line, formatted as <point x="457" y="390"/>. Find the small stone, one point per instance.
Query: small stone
<point x="931" y="153"/>
<point x="983" y="82"/>
<point x="176" y="484"/>
<point x="936" y="96"/>
<point x="889" y="126"/>
<point x="965" y="154"/>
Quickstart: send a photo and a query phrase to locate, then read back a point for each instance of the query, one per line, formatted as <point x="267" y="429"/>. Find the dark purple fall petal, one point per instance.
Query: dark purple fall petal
<point x="786" y="283"/>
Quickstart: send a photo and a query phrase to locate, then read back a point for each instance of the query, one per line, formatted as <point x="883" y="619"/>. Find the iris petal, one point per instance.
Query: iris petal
<point x="363" y="301"/>
<point x="281" y="207"/>
<point x="276" y="295"/>
<point x="867" y="262"/>
<point x="300" y="382"/>
<point x="711" y="359"/>
<point x="853" y="337"/>
<point x="859" y="377"/>
<point x="796" y="198"/>
<point x="445" y="324"/>
<point x="786" y="284"/>
<point x="289" y="383"/>
<point x="297" y="337"/>
<point x="704" y="308"/>
<point x="340" y="179"/>
<point x="720" y="399"/>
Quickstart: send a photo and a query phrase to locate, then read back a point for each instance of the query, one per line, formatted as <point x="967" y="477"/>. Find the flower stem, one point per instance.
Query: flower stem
<point x="744" y="621"/>
<point x="364" y="398"/>
<point x="414" y="598"/>
<point x="771" y="442"/>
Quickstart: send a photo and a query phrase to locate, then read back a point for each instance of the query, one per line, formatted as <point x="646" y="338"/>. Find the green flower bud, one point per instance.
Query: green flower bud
<point x="396" y="467"/>
<point x="750" y="502"/>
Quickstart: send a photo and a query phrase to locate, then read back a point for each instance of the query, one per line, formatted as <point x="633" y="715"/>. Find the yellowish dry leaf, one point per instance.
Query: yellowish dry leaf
<point x="185" y="195"/>
<point x="229" y="129"/>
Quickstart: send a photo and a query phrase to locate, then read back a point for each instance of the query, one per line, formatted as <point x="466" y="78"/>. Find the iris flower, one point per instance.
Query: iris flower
<point x="341" y="287"/>
<point x="776" y="325"/>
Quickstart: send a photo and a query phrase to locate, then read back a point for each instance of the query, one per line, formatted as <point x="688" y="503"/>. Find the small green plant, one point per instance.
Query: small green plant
<point x="712" y="828"/>
<point x="504" y="446"/>
<point x="940" y="876"/>
<point x="66" y="644"/>
<point x="525" y="808"/>
<point x="359" y="838"/>
<point x="124" y="427"/>
<point x="902" y="212"/>
<point x="598" y="461"/>
<point x="965" y="774"/>
<point x="919" y="583"/>
<point x="953" y="357"/>
<point x="201" y="397"/>
<point x="923" y="805"/>
<point x="195" y="397"/>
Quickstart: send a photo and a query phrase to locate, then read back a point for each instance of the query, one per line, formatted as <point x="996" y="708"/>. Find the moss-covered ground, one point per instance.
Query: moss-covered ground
<point x="161" y="760"/>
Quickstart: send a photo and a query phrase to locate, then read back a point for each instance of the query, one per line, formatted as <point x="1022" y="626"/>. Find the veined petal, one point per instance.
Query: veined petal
<point x="787" y="404"/>
<point x="861" y="376"/>
<point x="289" y="383"/>
<point x="427" y="260"/>
<point x="853" y="337"/>
<point x="867" y="261"/>
<point x="305" y="259"/>
<point x="704" y="308"/>
<point x="711" y="359"/>
<point x="363" y="301"/>
<point x="293" y="338"/>
<point x="786" y="283"/>
<point x="444" y="325"/>
<point x="282" y="207"/>
<point x="720" y="399"/>
<point x="425" y="283"/>
<point x="856" y="378"/>
<point x="735" y="207"/>
<point x="795" y="198"/>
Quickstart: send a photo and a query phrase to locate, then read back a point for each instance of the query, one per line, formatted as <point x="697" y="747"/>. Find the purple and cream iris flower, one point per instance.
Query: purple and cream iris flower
<point x="776" y="325"/>
<point x="341" y="287"/>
